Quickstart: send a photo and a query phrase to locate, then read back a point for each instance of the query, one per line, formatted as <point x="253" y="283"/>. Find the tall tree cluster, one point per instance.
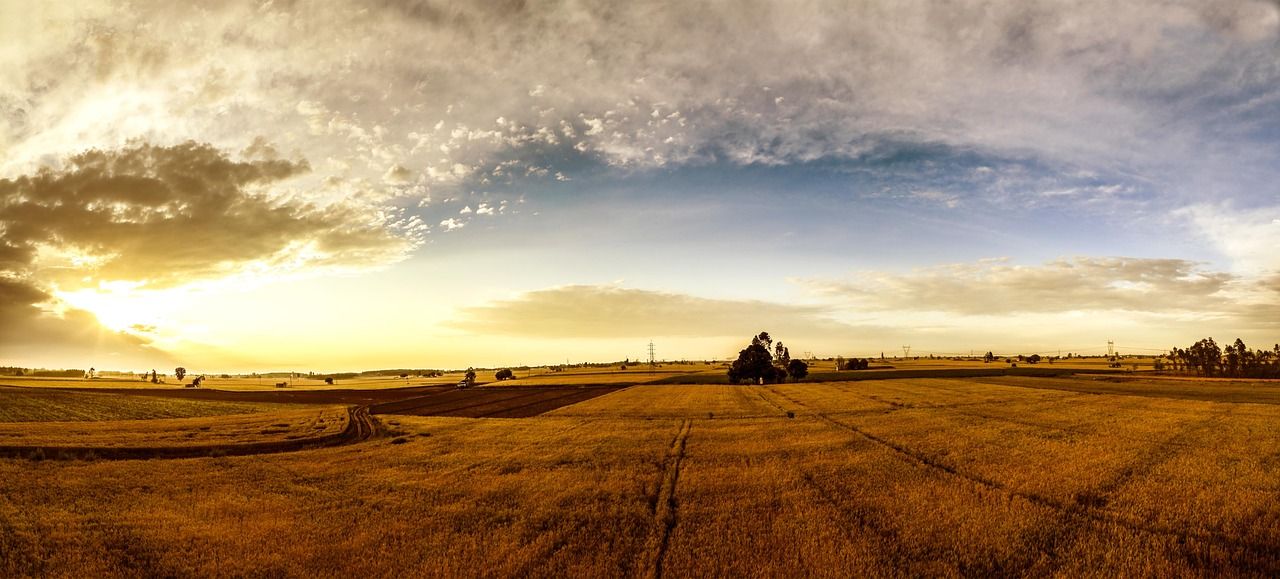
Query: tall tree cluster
<point x="1206" y="358"/>
<point x="765" y="362"/>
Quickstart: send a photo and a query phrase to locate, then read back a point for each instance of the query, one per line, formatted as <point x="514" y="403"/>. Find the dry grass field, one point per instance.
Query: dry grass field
<point x="32" y="405"/>
<point x="220" y="430"/>
<point x="234" y="383"/>
<point x="952" y="477"/>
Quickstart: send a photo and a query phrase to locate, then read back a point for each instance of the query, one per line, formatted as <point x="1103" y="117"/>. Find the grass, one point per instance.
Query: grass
<point x="177" y="432"/>
<point x="239" y="384"/>
<point x="969" y="370"/>
<point x="980" y="476"/>
<point x="38" y="405"/>
<point x="1217" y="390"/>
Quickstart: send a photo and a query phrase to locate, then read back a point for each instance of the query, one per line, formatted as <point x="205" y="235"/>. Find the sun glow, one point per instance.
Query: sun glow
<point x="124" y="308"/>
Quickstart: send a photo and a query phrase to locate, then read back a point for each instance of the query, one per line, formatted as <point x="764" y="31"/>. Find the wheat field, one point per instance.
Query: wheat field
<point x="938" y="477"/>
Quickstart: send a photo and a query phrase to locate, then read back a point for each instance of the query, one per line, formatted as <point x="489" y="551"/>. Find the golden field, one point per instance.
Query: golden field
<point x="234" y="383"/>
<point x="948" y="477"/>
<point x="45" y="404"/>
<point x="292" y="424"/>
<point x="635" y="373"/>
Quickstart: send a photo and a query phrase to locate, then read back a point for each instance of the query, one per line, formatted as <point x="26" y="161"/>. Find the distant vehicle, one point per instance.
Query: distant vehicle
<point x="464" y="384"/>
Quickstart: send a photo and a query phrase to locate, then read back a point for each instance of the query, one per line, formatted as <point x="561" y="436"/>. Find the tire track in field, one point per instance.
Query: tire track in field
<point x="1072" y="520"/>
<point x="781" y="410"/>
<point x="861" y="520"/>
<point x="538" y="402"/>
<point x="408" y="407"/>
<point x="1078" y="430"/>
<point x="361" y="426"/>
<point x="666" y="507"/>
<point x="1086" y="507"/>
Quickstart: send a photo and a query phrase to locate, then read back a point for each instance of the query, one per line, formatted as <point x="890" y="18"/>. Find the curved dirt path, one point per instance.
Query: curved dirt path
<point x="361" y="426"/>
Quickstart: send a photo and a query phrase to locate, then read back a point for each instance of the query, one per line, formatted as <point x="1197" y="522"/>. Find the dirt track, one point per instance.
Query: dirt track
<point x="436" y="400"/>
<point x="511" y="402"/>
<point x="361" y="426"/>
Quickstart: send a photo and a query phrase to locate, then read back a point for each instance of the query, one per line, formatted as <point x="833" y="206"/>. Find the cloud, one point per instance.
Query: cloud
<point x="165" y="216"/>
<point x="34" y="332"/>
<point x="397" y="175"/>
<point x="153" y="217"/>
<point x="589" y="311"/>
<point x="1249" y="238"/>
<point x="1173" y="92"/>
<point x="995" y="287"/>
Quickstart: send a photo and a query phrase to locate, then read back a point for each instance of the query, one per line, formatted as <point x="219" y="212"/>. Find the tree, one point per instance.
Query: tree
<point x="1034" y="358"/>
<point x="504" y="374"/>
<point x="1231" y="363"/>
<point x="754" y="363"/>
<point x="989" y="357"/>
<point x="329" y="380"/>
<point x="180" y="372"/>
<point x="857" y="364"/>
<point x="797" y="369"/>
<point x="782" y="355"/>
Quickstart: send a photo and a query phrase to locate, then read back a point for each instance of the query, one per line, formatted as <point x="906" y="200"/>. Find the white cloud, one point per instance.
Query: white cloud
<point x="451" y="224"/>
<point x="587" y="311"/>
<point x="993" y="287"/>
<point x="1250" y="239"/>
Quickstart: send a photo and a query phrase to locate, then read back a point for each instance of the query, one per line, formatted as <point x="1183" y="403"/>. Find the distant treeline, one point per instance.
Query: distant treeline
<point x="40" y="372"/>
<point x="1205" y="358"/>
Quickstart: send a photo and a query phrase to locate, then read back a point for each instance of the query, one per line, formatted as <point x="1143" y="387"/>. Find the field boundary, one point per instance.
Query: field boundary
<point x="896" y="374"/>
<point x="361" y="426"/>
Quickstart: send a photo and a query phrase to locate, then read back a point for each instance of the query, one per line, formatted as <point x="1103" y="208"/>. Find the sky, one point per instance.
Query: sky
<point x="339" y="185"/>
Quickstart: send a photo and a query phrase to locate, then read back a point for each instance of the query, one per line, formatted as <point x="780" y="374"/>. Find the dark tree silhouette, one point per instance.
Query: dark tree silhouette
<point x="797" y="369"/>
<point x="504" y="374"/>
<point x="754" y="363"/>
<point x="757" y="362"/>
<point x="782" y="355"/>
<point x="857" y="364"/>
<point x="180" y="372"/>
